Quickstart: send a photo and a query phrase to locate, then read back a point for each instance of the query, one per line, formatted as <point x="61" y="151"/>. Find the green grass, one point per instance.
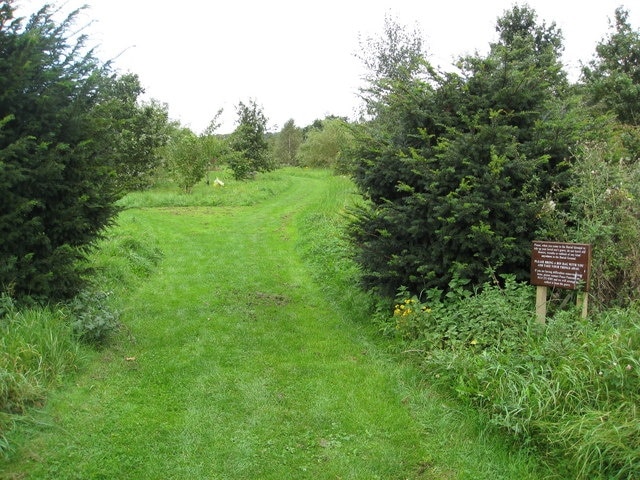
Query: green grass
<point x="37" y="350"/>
<point x="247" y="354"/>
<point x="234" y="193"/>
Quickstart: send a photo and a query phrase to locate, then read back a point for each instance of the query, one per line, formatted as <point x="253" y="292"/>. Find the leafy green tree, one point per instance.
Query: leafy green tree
<point x="602" y="191"/>
<point x="324" y="147"/>
<point x="396" y="56"/>
<point x="612" y="83"/>
<point x="287" y="143"/>
<point x="454" y="164"/>
<point x="613" y="76"/>
<point x="214" y="123"/>
<point x="136" y="132"/>
<point x="216" y="146"/>
<point x="250" y="150"/>
<point x="57" y="181"/>
<point x="187" y="158"/>
<point x="394" y="62"/>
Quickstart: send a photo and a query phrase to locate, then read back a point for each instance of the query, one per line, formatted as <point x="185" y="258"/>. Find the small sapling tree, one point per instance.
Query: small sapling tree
<point x="287" y="143"/>
<point x="187" y="159"/>
<point x="248" y="144"/>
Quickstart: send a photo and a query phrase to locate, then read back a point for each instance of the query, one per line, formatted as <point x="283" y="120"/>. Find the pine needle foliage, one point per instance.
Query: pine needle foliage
<point x="57" y="181"/>
<point x="453" y="164"/>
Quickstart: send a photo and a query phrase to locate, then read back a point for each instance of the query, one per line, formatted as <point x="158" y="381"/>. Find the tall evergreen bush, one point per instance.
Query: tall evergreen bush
<point x="57" y="188"/>
<point x="454" y="165"/>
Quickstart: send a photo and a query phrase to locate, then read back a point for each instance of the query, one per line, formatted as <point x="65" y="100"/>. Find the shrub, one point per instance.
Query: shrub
<point x="187" y="160"/>
<point x="492" y="318"/>
<point x="454" y="165"/>
<point x="93" y="319"/>
<point x="325" y="147"/>
<point x="605" y="212"/>
<point x="241" y="166"/>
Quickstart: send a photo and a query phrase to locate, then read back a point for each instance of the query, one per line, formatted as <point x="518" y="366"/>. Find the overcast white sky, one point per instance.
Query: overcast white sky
<point x="295" y="58"/>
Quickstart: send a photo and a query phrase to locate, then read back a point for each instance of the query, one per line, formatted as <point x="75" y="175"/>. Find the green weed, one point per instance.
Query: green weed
<point x="494" y="317"/>
<point x="571" y="388"/>
<point x="93" y="320"/>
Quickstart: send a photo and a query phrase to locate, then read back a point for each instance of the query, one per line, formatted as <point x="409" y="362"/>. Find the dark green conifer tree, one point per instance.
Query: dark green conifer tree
<point x="57" y="181"/>
<point x="455" y="164"/>
<point x="250" y="150"/>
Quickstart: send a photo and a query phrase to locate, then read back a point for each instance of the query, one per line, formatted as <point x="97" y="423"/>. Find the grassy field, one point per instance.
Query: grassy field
<point x="247" y="354"/>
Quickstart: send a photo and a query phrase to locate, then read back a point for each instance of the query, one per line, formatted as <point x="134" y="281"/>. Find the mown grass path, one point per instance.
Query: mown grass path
<point x="239" y="366"/>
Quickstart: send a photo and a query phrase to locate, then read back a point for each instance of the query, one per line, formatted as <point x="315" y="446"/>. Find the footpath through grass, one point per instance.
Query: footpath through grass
<point x="241" y="361"/>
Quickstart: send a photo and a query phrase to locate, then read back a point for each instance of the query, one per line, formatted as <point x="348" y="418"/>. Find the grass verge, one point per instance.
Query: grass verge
<point x="37" y="350"/>
<point x="247" y="356"/>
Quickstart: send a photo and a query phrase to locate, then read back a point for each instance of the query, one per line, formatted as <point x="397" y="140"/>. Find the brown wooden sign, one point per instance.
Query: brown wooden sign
<point x="561" y="265"/>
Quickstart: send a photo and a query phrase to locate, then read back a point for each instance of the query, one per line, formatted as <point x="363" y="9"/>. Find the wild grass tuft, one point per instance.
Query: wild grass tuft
<point x="37" y="349"/>
<point x="571" y="388"/>
<point x="125" y="257"/>
<point x="327" y="251"/>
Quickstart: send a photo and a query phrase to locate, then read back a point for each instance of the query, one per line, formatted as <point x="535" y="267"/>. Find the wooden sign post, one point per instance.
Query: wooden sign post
<point x="560" y="265"/>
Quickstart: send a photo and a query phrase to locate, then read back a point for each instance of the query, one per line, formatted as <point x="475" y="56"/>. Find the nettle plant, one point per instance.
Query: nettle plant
<point x="93" y="320"/>
<point x="493" y="317"/>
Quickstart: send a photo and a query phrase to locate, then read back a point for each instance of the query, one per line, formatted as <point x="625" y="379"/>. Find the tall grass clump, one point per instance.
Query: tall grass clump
<point x="569" y="389"/>
<point x="37" y="349"/>
<point x="127" y="254"/>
